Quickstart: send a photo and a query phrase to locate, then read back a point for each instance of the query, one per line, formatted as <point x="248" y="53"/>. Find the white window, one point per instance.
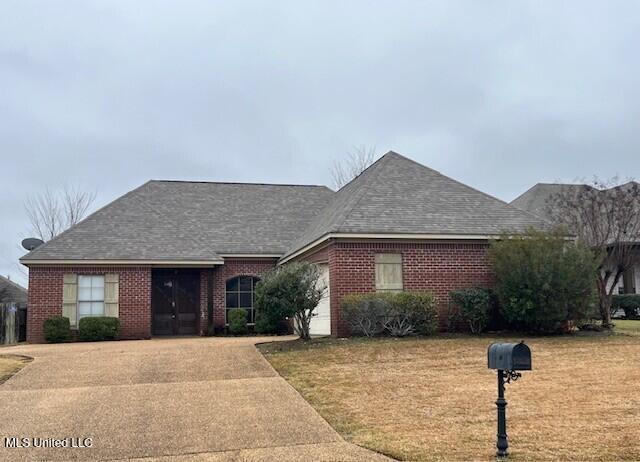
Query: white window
<point x="389" y="272"/>
<point x="90" y="296"/>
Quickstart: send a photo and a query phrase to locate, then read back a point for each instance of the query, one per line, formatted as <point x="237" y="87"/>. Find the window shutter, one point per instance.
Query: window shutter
<point x="111" y="295"/>
<point x="70" y="298"/>
<point x="389" y="271"/>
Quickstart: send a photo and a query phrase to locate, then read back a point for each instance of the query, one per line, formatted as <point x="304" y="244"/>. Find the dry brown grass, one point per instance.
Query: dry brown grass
<point x="434" y="399"/>
<point x="10" y="364"/>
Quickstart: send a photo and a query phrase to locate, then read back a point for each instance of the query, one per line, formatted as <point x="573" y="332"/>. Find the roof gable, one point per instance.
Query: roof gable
<point x="190" y="221"/>
<point x="177" y="221"/>
<point x="12" y="292"/>
<point x="536" y="199"/>
<point x="400" y="196"/>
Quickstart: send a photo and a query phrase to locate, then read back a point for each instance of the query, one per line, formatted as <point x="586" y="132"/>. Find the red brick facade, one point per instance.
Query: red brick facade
<point x="45" y="298"/>
<point x="221" y="274"/>
<point x="434" y="267"/>
<point x="46" y="284"/>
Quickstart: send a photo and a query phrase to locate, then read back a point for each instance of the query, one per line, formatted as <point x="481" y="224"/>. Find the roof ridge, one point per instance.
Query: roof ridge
<point x="109" y="204"/>
<point x="489" y="196"/>
<point x="241" y="183"/>
<point x="364" y="188"/>
<point x="525" y="192"/>
<point x="365" y="170"/>
<point x="15" y="284"/>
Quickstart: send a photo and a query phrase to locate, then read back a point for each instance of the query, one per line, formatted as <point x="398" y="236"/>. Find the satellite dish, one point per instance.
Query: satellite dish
<point x="31" y="243"/>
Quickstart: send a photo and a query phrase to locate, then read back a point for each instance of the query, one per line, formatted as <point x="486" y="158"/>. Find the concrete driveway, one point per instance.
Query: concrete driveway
<point x="171" y="399"/>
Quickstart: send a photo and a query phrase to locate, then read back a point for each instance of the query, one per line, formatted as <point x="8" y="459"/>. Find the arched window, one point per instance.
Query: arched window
<point x="240" y="294"/>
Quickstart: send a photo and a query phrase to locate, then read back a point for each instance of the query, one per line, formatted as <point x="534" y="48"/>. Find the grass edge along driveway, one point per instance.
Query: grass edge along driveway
<point x="434" y="398"/>
<point x="11" y="364"/>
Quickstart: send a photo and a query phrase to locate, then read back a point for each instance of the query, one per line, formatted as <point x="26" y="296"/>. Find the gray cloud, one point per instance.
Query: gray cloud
<point x="500" y="95"/>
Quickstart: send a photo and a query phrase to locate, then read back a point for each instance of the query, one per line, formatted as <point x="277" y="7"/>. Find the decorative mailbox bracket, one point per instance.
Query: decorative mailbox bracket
<point x="508" y="359"/>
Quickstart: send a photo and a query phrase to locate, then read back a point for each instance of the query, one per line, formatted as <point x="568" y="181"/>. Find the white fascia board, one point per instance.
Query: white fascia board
<point x="166" y="263"/>
<point x="250" y="255"/>
<point x="414" y="237"/>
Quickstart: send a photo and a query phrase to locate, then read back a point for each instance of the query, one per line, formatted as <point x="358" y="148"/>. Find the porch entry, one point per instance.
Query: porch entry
<point x="175" y="295"/>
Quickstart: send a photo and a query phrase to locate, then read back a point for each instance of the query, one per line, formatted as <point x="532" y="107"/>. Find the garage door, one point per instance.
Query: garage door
<point x="321" y="322"/>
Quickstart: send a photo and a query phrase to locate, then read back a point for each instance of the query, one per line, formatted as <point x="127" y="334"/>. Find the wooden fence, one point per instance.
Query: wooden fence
<point x="13" y="323"/>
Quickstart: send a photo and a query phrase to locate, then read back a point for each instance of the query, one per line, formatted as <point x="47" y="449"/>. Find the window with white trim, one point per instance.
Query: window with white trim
<point x="90" y="296"/>
<point x="389" y="272"/>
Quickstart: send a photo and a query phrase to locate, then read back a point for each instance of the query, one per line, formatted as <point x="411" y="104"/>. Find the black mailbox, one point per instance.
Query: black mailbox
<point x="509" y="357"/>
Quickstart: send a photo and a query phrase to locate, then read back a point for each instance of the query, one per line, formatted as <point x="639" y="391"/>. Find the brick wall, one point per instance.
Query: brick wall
<point x="45" y="298"/>
<point x="230" y="269"/>
<point x="434" y="267"/>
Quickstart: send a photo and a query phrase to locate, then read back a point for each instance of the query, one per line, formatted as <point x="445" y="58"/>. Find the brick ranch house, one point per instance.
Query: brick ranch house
<point x="172" y="257"/>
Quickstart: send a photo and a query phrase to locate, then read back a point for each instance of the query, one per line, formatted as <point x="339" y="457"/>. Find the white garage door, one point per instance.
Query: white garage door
<point x="321" y="322"/>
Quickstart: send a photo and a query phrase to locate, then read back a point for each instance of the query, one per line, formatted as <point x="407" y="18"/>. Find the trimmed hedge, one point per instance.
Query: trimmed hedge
<point x="98" y="328"/>
<point x="630" y="303"/>
<point x="56" y="329"/>
<point x="397" y="314"/>
<point x="237" y="321"/>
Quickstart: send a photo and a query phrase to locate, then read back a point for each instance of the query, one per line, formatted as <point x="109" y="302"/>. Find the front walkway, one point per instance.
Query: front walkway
<point x="175" y="399"/>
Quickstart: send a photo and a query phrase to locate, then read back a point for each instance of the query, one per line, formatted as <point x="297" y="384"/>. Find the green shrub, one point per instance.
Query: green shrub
<point x="365" y="313"/>
<point x="237" y="319"/>
<point x="630" y="303"/>
<point x="56" y="329"/>
<point x="266" y="324"/>
<point x="475" y="307"/>
<point x="98" y="328"/>
<point x="544" y="283"/>
<point x="397" y="314"/>
<point x="290" y="291"/>
<point x="419" y="310"/>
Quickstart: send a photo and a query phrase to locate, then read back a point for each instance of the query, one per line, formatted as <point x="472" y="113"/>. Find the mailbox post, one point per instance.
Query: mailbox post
<point x="508" y="359"/>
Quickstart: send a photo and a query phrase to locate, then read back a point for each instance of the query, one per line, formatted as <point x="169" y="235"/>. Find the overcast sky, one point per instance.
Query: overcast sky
<point x="499" y="95"/>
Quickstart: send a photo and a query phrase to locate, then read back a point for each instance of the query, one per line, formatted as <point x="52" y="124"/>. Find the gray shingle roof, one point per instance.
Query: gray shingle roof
<point x="398" y="195"/>
<point x="190" y="221"/>
<point x="12" y="292"/>
<point x="199" y="221"/>
<point x="536" y="199"/>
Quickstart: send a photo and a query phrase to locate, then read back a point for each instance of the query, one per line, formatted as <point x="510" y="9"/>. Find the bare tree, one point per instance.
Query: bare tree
<point x="51" y="213"/>
<point x="605" y="215"/>
<point x="358" y="159"/>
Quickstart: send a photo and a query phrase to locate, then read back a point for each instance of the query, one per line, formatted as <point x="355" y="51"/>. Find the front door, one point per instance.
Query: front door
<point x="174" y="301"/>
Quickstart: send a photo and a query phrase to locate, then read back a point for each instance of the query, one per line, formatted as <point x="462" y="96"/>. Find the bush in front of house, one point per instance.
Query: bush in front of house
<point x="365" y="313"/>
<point x="396" y="314"/>
<point x="415" y="308"/>
<point x="474" y="307"/>
<point x="237" y="319"/>
<point x="544" y="283"/>
<point x="290" y="291"/>
<point x="56" y="329"/>
<point x="265" y="323"/>
<point x="629" y="303"/>
<point x="98" y="328"/>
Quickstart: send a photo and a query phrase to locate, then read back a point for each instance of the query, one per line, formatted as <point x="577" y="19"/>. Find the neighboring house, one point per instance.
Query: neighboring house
<point x="172" y="257"/>
<point x="538" y="200"/>
<point x="10" y="292"/>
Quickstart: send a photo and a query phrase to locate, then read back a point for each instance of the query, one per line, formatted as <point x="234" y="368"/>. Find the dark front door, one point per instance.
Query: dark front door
<point x="174" y="301"/>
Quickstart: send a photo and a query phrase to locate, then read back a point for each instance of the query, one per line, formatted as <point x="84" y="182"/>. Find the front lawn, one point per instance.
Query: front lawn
<point x="434" y="398"/>
<point x="10" y="364"/>
<point x="627" y="326"/>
